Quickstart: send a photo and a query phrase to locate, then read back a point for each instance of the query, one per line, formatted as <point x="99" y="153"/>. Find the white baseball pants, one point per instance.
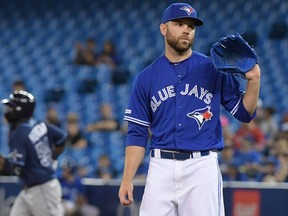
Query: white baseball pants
<point x="40" y="200"/>
<point x="191" y="187"/>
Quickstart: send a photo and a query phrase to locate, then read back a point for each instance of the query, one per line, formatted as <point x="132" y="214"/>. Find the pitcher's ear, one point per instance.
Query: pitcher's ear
<point x="163" y="29"/>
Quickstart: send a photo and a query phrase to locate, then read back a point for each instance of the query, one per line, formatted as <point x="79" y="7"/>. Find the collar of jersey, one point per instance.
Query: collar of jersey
<point x="177" y="63"/>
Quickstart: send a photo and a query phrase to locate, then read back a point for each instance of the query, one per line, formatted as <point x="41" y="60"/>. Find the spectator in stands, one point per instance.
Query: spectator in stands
<point x="268" y="171"/>
<point x="76" y="138"/>
<point x="106" y="122"/>
<point x="281" y="174"/>
<point x="104" y="169"/>
<point x="267" y="123"/>
<point x="18" y="85"/>
<point x="226" y="159"/>
<point x="108" y="56"/>
<point x="71" y="186"/>
<point x="86" y="55"/>
<point x="248" y="157"/>
<point x="233" y="174"/>
<point x="249" y="131"/>
<point x="269" y="162"/>
<point x="283" y="133"/>
<point x="52" y="116"/>
<point x="74" y="199"/>
<point x="83" y="171"/>
<point x="281" y="152"/>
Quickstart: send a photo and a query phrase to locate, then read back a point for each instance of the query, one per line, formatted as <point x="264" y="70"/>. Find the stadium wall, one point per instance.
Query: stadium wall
<point x="241" y="198"/>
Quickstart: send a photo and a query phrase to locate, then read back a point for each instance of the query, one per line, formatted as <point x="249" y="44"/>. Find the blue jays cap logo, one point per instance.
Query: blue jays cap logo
<point x="180" y="10"/>
<point x="188" y="10"/>
<point x="201" y="116"/>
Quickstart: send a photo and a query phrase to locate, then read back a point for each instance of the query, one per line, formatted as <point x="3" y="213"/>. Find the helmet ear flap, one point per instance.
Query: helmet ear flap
<point x="11" y="114"/>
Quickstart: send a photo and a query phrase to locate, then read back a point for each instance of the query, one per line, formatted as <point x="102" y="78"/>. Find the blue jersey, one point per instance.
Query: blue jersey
<point x="31" y="148"/>
<point x="71" y="190"/>
<point x="180" y="103"/>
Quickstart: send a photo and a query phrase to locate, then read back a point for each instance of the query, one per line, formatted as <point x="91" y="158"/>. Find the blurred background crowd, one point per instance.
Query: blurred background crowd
<point x="79" y="59"/>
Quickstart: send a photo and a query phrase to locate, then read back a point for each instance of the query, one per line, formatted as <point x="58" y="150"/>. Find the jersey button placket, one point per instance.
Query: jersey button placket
<point x="178" y="109"/>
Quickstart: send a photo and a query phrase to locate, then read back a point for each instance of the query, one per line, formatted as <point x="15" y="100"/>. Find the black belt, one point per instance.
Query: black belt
<point x="180" y="155"/>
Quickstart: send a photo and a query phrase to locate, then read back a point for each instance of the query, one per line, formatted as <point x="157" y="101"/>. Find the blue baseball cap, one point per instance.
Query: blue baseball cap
<point x="180" y="10"/>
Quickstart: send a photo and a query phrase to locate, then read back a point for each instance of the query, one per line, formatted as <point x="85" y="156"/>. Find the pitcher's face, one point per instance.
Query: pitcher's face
<point x="179" y="34"/>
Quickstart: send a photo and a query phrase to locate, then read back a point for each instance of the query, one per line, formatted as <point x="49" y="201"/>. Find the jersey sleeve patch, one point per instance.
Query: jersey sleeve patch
<point x="128" y="111"/>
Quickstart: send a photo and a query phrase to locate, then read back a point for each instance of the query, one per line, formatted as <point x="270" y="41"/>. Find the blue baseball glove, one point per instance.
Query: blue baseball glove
<point x="232" y="54"/>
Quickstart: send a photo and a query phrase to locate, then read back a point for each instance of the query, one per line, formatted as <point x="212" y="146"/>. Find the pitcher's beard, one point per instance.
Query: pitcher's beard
<point x="180" y="46"/>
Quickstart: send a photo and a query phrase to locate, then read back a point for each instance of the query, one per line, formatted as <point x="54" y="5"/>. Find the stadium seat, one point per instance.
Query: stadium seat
<point x="278" y="30"/>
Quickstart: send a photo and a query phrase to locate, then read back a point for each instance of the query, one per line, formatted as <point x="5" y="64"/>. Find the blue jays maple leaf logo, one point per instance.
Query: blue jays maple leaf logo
<point x="201" y="116"/>
<point x="188" y="10"/>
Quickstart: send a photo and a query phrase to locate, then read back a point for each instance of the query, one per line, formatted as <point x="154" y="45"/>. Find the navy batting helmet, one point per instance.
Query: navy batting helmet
<point x="21" y="105"/>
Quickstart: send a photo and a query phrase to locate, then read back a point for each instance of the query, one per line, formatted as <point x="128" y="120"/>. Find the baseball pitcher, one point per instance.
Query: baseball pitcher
<point x="178" y="98"/>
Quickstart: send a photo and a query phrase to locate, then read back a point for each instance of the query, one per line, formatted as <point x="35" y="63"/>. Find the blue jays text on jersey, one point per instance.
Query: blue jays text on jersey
<point x="169" y="91"/>
<point x="180" y="102"/>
